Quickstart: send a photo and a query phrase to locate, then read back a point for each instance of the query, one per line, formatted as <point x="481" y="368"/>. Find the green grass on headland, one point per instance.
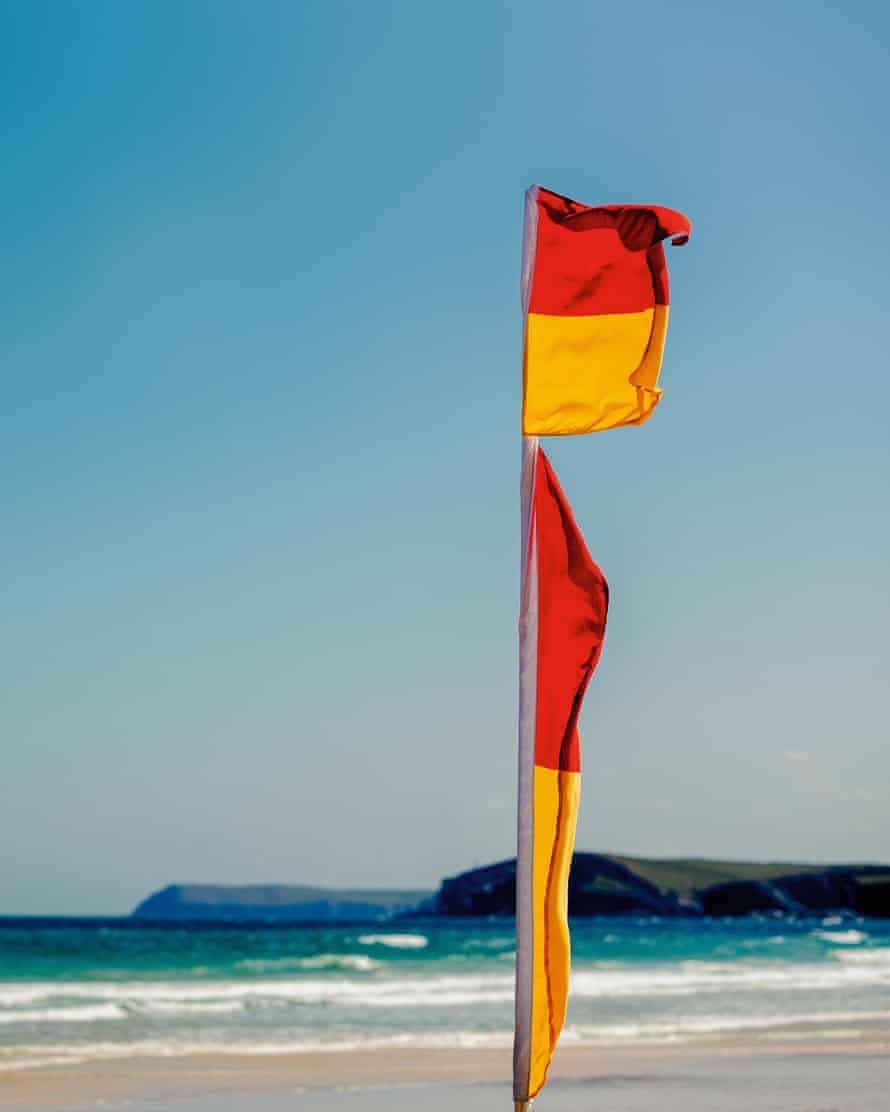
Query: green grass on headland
<point x="684" y="876"/>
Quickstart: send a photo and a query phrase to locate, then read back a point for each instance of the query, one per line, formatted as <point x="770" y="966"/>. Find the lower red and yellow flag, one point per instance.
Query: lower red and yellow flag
<point x="562" y="624"/>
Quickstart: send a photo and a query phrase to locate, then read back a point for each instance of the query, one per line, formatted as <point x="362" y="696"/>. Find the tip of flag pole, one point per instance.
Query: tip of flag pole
<point x="521" y="1105"/>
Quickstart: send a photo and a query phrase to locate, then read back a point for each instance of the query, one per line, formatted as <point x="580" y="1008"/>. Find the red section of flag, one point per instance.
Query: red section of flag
<point x="606" y="259"/>
<point x="573" y="598"/>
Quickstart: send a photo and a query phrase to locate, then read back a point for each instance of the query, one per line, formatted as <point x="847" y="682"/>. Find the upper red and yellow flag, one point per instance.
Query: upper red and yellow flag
<point x="595" y="294"/>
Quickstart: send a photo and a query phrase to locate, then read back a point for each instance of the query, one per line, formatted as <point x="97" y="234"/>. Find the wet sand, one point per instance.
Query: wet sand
<point x="831" y="1072"/>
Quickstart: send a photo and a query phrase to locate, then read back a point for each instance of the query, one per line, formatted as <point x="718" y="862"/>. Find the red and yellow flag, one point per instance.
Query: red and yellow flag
<point x="562" y="624"/>
<point x="595" y="295"/>
<point x="596" y="298"/>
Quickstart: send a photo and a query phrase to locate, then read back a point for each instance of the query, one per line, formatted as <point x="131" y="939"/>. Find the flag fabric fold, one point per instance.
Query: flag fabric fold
<point x="562" y="625"/>
<point x="595" y="293"/>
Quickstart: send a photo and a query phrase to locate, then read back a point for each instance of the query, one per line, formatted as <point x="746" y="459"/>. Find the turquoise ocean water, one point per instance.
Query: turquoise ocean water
<point x="77" y="991"/>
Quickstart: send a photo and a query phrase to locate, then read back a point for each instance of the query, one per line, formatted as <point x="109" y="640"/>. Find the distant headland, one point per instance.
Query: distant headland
<point x="598" y="885"/>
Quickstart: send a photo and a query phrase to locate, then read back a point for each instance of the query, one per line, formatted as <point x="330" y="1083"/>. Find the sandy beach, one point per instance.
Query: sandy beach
<point x="829" y="1072"/>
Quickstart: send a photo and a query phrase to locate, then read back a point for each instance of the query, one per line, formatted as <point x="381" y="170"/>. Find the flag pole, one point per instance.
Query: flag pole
<point x="528" y="637"/>
<point x="527" y="695"/>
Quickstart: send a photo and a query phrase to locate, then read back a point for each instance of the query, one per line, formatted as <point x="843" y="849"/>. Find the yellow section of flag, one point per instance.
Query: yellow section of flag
<point x="595" y="293"/>
<point x="557" y="794"/>
<point x="587" y="374"/>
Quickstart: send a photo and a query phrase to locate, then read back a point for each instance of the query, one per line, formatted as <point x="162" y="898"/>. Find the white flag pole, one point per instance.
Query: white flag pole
<point x="528" y="646"/>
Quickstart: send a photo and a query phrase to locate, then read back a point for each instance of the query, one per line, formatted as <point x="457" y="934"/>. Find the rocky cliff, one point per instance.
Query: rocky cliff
<point x="600" y="885"/>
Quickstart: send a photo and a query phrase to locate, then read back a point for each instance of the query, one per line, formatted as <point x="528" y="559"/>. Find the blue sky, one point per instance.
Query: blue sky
<point x="259" y="437"/>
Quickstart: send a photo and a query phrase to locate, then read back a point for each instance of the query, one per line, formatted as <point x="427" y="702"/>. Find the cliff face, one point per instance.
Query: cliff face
<point x="597" y="886"/>
<point x="863" y="889"/>
<point x="600" y="885"/>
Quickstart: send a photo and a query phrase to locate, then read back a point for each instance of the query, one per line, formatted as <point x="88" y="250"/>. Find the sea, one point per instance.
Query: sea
<point x="74" y="991"/>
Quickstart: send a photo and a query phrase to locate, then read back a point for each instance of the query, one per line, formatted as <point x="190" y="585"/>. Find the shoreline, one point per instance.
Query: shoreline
<point x="169" y="1079"/>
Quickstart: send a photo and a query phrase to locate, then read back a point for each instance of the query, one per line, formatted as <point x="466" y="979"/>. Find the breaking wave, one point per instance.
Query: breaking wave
<point x="361" y="963"/>
<point x="603" y="981"/>
<point x="396" y="941"/>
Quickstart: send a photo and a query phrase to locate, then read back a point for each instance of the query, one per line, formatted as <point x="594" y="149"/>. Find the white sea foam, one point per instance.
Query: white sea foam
<point x="188" y="1007"/>
<point x="677" y="1030"/>
<point x="359" y="962"/>
<point x="842" y="938"/>
<point x="393" y="992"/>
<point x="693" y="977"/>
<point x="15" y="995"/>
<point x="35" y="1061"/>
<point x="848" y="969"/>
<point x="88" y="1014"/>
<point x="38" y="1055"/>
<point x="718" y="1025"/>
<point x="875" y="956"/>
<point x="396" y="941"/>
<point x="63" y="1054"/>
<point x="475" y="945"/>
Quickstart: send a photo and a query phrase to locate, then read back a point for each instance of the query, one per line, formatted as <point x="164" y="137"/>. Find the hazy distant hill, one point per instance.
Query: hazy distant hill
<point x="275" y="902"/>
